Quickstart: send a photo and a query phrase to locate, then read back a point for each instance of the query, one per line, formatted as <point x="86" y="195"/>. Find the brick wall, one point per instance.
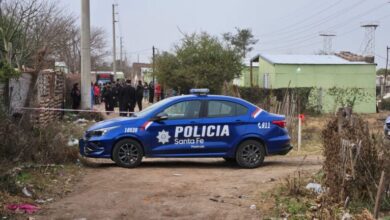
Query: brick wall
<point x="49" y="93"/>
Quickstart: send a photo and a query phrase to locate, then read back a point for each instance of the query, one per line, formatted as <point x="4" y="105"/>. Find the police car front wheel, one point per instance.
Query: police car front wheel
<point x="128" y="153"/>
<point x="250" y="154"/>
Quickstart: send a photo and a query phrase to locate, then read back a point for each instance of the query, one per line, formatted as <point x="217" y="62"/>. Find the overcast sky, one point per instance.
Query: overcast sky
<point x="282" y="26"/>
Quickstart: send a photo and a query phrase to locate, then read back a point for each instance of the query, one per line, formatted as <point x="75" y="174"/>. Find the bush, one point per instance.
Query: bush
<point x="39" y="145"/>
<point x="265" y="98"/>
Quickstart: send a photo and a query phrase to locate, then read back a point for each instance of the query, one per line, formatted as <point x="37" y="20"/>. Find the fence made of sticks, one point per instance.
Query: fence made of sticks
<point x="353" y="163"/>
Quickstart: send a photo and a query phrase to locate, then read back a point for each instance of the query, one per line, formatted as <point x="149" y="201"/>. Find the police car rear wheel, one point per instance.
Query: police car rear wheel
<point x="128" y="153"/>
<point x="250" y="154"/>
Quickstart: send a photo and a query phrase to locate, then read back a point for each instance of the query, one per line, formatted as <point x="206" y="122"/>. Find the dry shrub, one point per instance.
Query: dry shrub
<point x="365" y="215"/>
<point x="294" y="185"/>
<point x="351" y="166"/>
<point x="40" y="145"/>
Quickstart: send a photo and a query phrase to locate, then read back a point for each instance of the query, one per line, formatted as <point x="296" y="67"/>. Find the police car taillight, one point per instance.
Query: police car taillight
<point x="200" y="91"/>
<point x="280" y="123"/>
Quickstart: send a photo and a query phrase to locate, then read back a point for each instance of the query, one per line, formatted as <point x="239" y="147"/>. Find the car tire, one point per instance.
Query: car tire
<point x="250" y="154"/>
<point x="229" y="159"/>
<point x="128" y="153"/>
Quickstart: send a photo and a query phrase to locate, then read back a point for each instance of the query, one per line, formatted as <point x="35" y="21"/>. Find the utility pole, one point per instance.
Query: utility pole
<point x="1" y="10"/>
<point x="86" y="99"/>
<point x="153" y="65"/>
<point x="121" y="54"/>
<point x="387" y="64"/>
<point x="114" y="42"/>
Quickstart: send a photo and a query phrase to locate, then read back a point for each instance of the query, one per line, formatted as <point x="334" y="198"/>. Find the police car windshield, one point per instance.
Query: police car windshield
<point x="152" y="108"/>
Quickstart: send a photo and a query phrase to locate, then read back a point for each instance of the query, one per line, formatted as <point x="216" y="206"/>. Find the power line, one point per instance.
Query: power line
<point x="294" y="47"/>
<point x="317" y="42"/>
<point x="316" y="24"/>
<point x="313" y="35"/>
<point x="140" y="51"/>
<point x="291" y="26"/>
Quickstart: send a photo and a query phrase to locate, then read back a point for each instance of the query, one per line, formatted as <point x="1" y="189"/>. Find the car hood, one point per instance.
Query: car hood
<point x="120" y="121"/>
<point x="388" y="120"/>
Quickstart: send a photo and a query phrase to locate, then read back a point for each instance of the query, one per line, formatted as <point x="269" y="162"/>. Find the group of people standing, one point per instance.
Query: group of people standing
<point x="123" y="95"/>
<point x="120" y="94"/>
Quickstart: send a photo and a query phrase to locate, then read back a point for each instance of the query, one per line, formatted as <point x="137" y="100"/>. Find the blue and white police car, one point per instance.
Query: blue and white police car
<point x="196" y="125"/>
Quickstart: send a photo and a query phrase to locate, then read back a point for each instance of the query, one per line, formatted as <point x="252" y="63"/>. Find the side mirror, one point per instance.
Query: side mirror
<point x="160" y="117"/>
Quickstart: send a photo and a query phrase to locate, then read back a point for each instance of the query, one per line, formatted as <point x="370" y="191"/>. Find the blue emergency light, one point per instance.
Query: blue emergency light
<point x="199" y="91"/>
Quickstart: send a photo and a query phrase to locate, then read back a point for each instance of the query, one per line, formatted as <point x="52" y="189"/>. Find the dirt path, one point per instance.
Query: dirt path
<point x="173" y="188"/>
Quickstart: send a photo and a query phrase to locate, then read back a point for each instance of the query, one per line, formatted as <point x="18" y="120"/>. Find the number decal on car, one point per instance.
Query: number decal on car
<point x="264" y="125"/>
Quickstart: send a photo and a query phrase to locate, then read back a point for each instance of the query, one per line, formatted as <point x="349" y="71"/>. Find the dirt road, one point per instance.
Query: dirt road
<point x="174" y="188"/>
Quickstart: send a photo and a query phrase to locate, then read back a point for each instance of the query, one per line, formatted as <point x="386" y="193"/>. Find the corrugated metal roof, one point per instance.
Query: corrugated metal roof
<point x="306" y="59"/>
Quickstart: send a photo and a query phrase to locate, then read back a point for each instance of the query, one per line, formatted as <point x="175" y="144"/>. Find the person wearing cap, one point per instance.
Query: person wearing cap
<point x="108" y="99"/>
<point x="139" y="95"/>
<point x="127" y="99"/>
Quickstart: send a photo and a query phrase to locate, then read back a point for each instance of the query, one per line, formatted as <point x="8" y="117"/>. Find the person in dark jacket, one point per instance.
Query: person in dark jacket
<point x="139" y="94"/>
<point x="108" y="99"/>
<point x="127" y="99"/>
<point x="151" y="92"/>
<point x="76" y="96"/>
<point x="116" y="87"/>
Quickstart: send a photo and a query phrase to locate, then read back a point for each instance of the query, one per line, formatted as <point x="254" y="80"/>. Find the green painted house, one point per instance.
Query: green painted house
<point x="245" y="78"/>
<point x="321" y="72"/>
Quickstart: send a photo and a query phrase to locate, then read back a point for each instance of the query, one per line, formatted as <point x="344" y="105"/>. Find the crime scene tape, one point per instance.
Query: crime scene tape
<point x="71" y="110"/>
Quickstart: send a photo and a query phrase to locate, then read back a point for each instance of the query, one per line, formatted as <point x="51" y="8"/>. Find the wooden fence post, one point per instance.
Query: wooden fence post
<point x="379" y="195"/>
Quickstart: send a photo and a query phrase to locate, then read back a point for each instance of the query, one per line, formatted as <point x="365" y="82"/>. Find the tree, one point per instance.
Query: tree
<point x="69" y="49"/>
<point x="347" y="97"/>
<point x="242" y="41"/>
<point x="199" y="60"/>
<point x="30" y="27"/>
<point x="381" y="71"/>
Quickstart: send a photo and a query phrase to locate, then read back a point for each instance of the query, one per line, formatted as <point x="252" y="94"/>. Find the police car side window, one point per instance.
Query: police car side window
<point x="241" y="110"/>
<point x="183" y="110"/>
<point x="225" y="109"/>
<point x="221" y="109"/>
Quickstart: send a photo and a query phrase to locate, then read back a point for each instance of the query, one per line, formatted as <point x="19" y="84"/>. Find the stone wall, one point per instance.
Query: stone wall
<point x="49" y="92"/>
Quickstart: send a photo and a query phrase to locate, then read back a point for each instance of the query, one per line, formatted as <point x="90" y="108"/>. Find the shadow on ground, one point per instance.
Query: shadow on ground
<point x="203" y="163"/>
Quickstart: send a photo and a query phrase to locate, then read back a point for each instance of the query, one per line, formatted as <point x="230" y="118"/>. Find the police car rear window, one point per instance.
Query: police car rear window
<point x="225" y="109"/>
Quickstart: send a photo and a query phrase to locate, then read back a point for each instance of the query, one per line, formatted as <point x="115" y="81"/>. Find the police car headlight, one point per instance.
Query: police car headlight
<point x="102" y="131"/>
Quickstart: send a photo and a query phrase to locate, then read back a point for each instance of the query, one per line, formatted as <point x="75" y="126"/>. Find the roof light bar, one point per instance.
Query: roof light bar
<point x="200" y="91"/>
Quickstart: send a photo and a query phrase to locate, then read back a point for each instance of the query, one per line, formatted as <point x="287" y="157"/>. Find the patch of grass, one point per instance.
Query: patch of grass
<point x="23" y="177"/>
<point x="295" y="206"/>
<point x="356" y="206"/>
